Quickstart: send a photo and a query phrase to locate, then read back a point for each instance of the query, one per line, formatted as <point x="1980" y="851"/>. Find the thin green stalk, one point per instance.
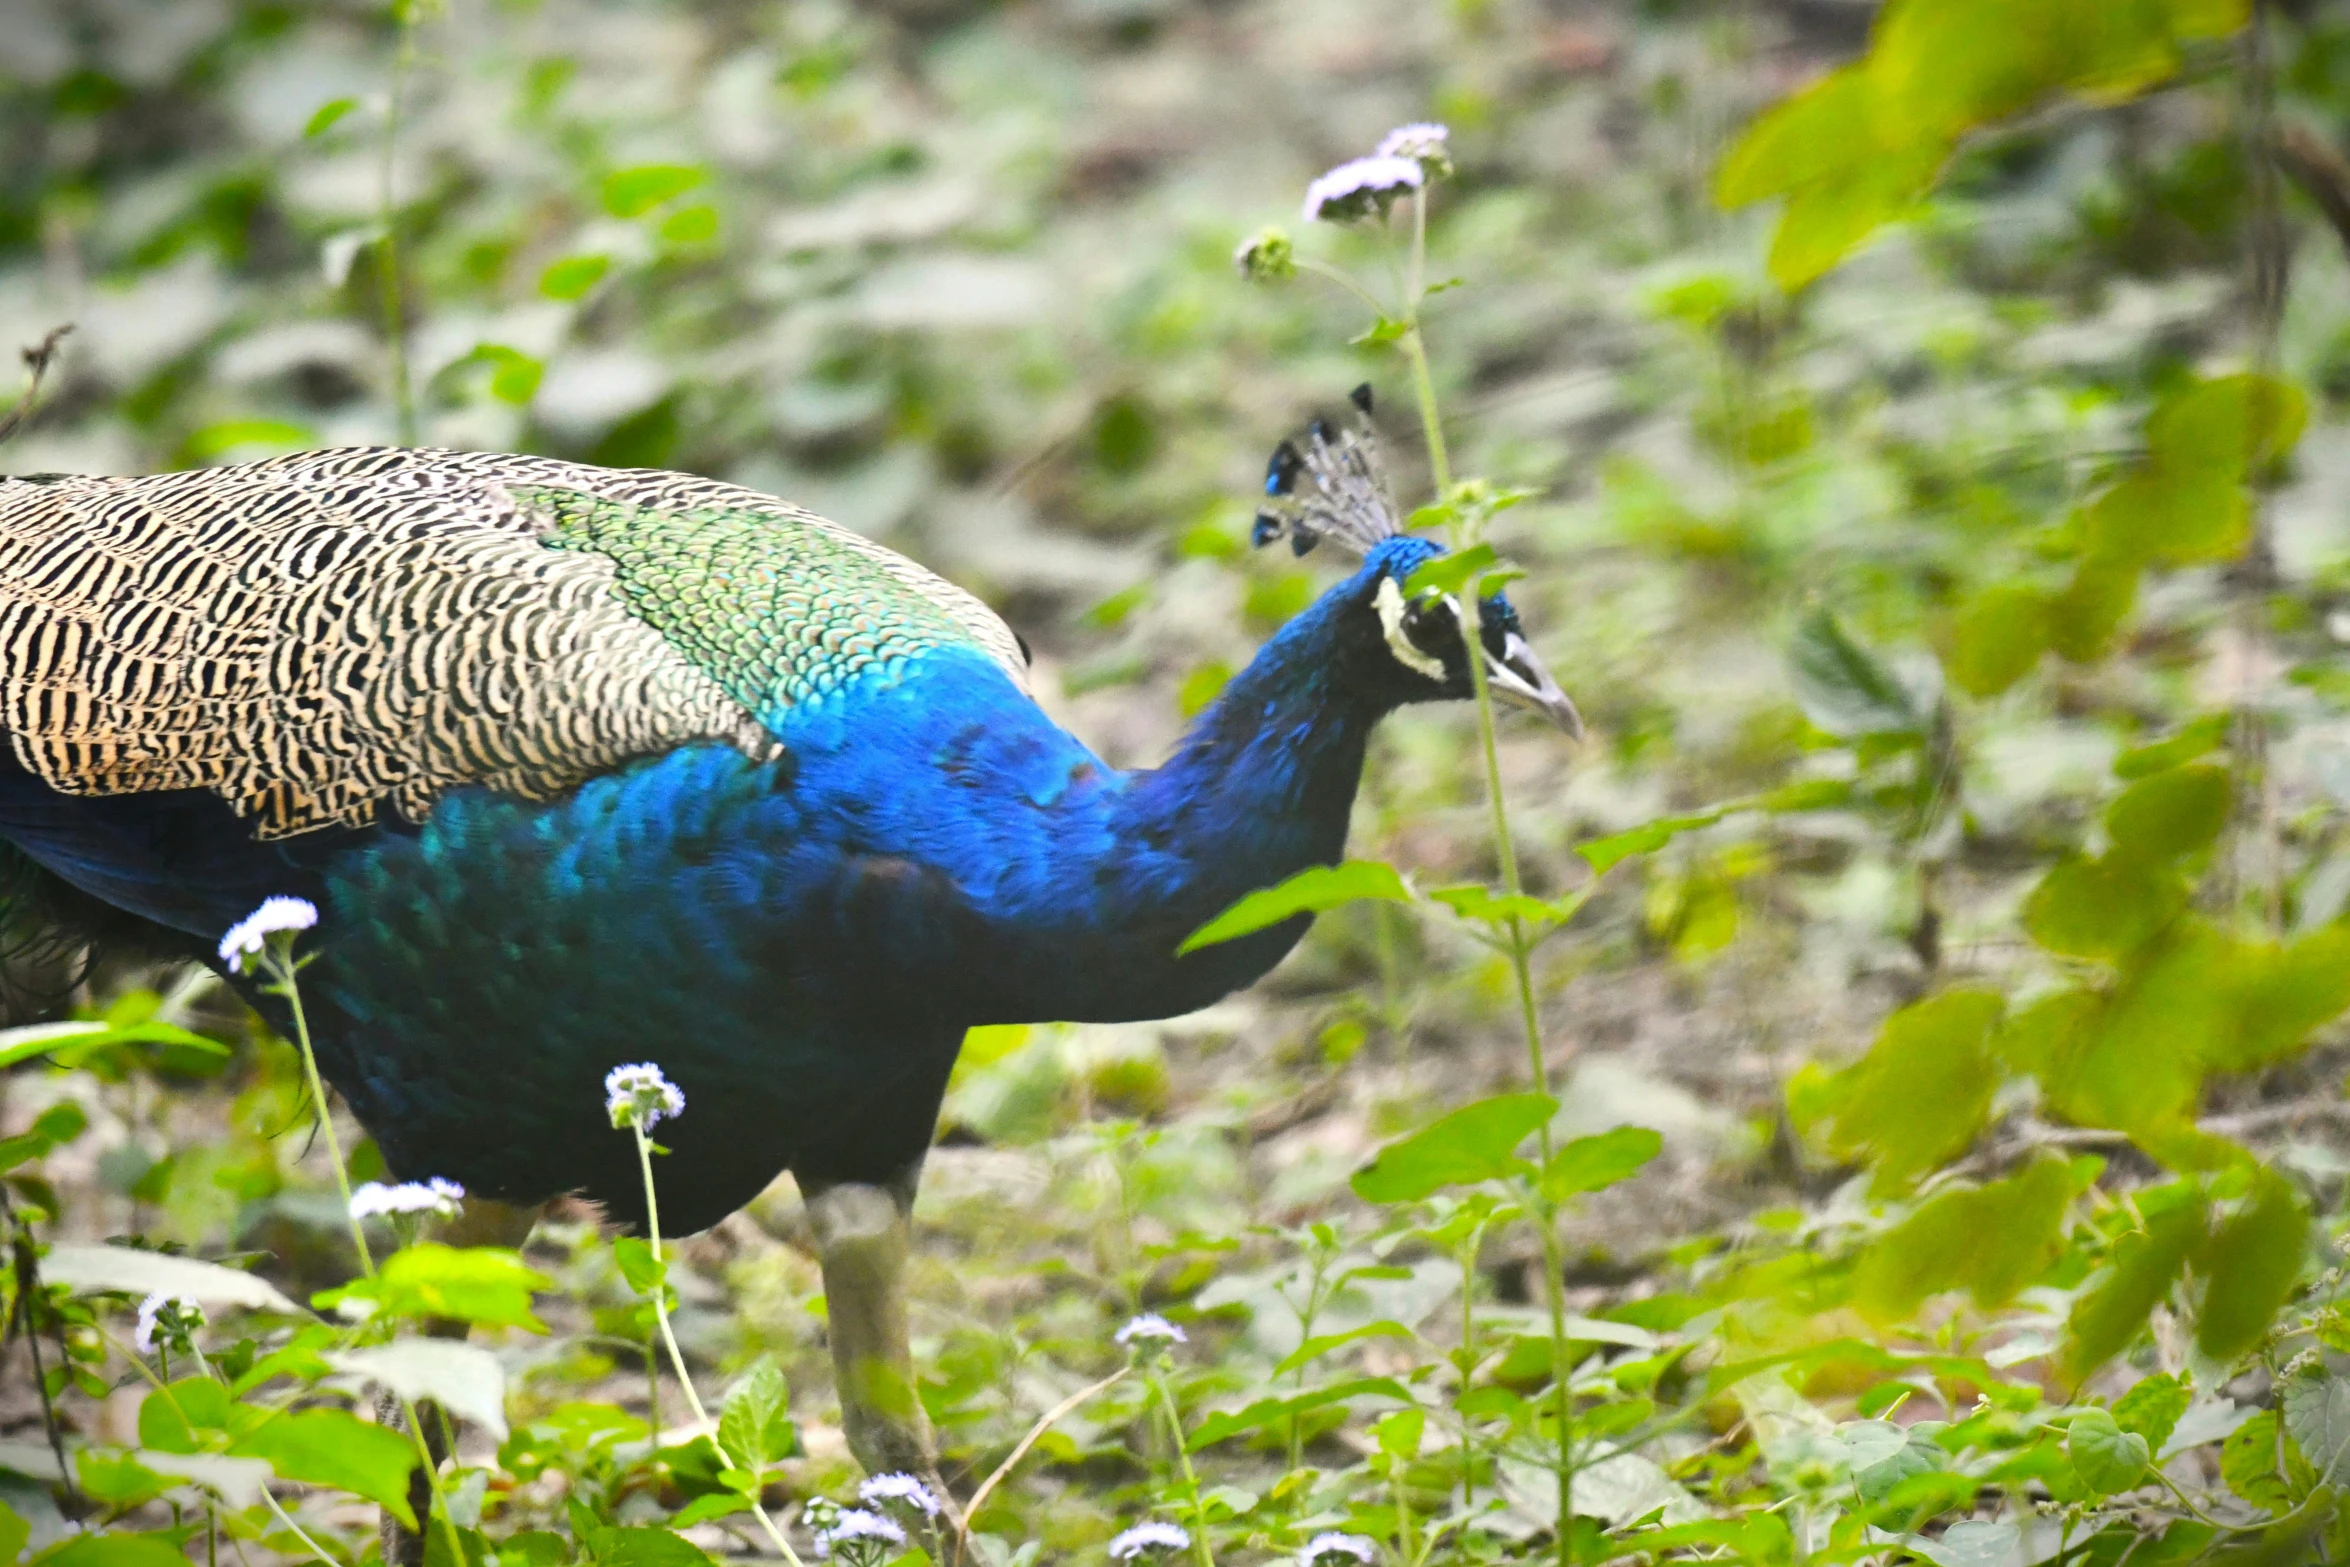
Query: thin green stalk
<point x="388" y="288"/>
<point x="295" y="1529"/>
<point x="432" y="1476"/>
<point x="282" y="968"/>
<point x="685" y="1380"/>
<point x="1199" y="1503"/>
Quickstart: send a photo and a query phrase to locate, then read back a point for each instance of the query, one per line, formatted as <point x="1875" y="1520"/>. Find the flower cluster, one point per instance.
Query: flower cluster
<point x="1265" y="257"/>
<point x="1428" y="145"/>
<point x="169" y="1320"/>
<point x="640" y="1096"/>
<point x="435" y="1196"/>
<point x="1336" y="1548"/>
<point x="1148" y="1332"/>
<point x="1147" y="1539"/>
<point x="858" y="1537"/>
<point x="248" y="937"/>
<point x="904" y="1489"/>
<point x="1360" y="187"/>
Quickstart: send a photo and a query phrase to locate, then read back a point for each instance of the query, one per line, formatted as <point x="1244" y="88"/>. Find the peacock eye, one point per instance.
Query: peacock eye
<point x="1430" y="623"/>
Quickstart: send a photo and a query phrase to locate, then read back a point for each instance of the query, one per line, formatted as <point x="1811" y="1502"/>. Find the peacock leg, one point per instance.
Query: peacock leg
<point x="864" y="1235"/>
<point x="483" y="1221"/>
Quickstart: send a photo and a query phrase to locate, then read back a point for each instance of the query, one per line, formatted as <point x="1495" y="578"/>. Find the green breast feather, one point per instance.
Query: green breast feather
<point x="777" y="612"/>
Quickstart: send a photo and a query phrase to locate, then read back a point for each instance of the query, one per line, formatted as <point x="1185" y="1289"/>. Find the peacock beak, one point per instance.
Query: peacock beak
<point x="1518" y="678"/>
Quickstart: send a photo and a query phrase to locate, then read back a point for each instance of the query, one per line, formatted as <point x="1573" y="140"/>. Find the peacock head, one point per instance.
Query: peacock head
<point x="1408" y="646"/>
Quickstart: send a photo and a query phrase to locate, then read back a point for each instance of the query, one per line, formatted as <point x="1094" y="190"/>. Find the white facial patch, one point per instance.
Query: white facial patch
<point x="1391" y="612"/>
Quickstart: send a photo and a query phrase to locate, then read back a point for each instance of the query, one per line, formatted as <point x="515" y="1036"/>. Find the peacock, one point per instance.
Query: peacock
<point x="582" y="766"/>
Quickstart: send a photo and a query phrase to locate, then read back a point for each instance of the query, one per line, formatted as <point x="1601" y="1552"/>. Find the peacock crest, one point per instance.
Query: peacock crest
<point x="1332" y="486"/>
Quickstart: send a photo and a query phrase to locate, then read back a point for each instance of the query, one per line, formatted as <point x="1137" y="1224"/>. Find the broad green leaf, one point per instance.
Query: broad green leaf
<point x="2145" y="1265"/>
<point x="1322" y="1344"/>
<point x="1997" y="638"/>
<point x="116" y="1477"/>
<point x="2171" y="814"/>
<point x="573" y="276"/>
<point x="2248" y="1462"/>
<point x="170" y="1417"/>
<point x="1478" y="1142"/>
<point x="1972" y="1543"/>
<point x="1918" y="1454"/>
<point x="2103" y="908"/>
<point x="644" y="1271"/>
<point x="1923" y="1091"/>
<point x="51" y="1130"/>
<point x="2283" y="996"/>
<point x="1992" y="1241"/>
<point x="1829" y="219"/>
<point x="2108" y="1459"/>
<point x="1604" y="854"/>
<point x="2317" y="1412"/>
<point x="485" y="1284"/>
<point x="1227" y="1424"/>
<point x="113" y="1550"/>
<point x="755" y="1429"/>
<point x="1589" y="1164"/>
<point x="2196" y="738"/>
<point x="14" y="1532"/>
<point x="464" y="1379"/>
<point x="2253" y="1261"/>
<point x="630" y="193"/>
<point x="2152" y="1408"/>
<point x="2083" y="618"/>
<point x="1314" y="890"/>
<point x="1844" y="688"/>
<point x="1487" y="907"/>
<point x="119" y="1269"/>
<point x="643" y="1547"/>
<point x="1449" y="574"/>
<point x="334" y="1448"/>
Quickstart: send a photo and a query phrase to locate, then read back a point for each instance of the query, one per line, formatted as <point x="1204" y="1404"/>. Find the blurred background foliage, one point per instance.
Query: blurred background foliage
<point x="1964" y="437"/>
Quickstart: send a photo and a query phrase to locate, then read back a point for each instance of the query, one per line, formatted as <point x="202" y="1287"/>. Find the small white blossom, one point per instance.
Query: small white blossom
<point x="435" y="1196"/>
<point x="1149" y="1330"/>
<point x="1361" y="187"/>
<point x="248" y="936"/>
<point x="1323" y="1547"/>
<point x="883" y="1489"/>
<point x="856" y="1532"/>
<point x="1145" y="1538"/>
<point x="640" y="1096"/>
<point x="1425" y="143"/>
<point x="171" y="1318"/>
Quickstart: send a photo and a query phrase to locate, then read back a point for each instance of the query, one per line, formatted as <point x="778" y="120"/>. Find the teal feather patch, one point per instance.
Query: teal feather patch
<point x="779" y="613"/>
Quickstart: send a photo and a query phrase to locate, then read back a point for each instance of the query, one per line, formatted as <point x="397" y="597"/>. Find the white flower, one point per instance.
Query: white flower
<point x="1149" y="1330"/>
<point x="247" y="937"/>
<point x="883" y="1489"/>
<point x="173" y="1318"/>
<point x="640" y="1096"/>
<point x="1144" y="1538"/>
<point x="435" y="1196"/>
<point x="1425" y="143"/>
<point x="858" y="1530"/>
<point x="1361" y="187"/>
<point x="1354" y="1546"/>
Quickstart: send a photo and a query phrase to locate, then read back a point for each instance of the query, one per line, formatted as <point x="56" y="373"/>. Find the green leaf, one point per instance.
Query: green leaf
<point x="334" y="1448"/>
<point x="1225" y="1425"/>
<point x="1604" y="854"/>
<point x="51" y="1130"/>
<point x="1992" y="1241"/>
<point x="327" y="116"/>
<point x="484" y="1284"/>
<point x="573" y="276"/>
<point x="1449" y="574"/>
<point x="2146" y="1264"/>
<point x="116" y="1477"/>
<point x="1322" y="1344"/>
<point x="2248" y="1462"/>
<point x="1922" y="1093"/>
<point x="1478" y="1142"/>
<point x="14" y="1531"/>
<point x="1998" y="638"/>
<point x="755" y="1429"/>
<point x="1314" y="890"/>
<point x="2152" y="1408"/>
<point x="2253" y="1261"/>
<point x="2171" y="814"/>
<point x="1844" y="688"/>
<point x="1487" y="907"/>
<point x="644" y="1271"/>
<point x="630" y="193"/>
<point x="464" y="1379"/>
<point x="113" y="1550"/>
<point x="1589" y="1164"/>
<point x="643" y="1548"/>
<point x="2108" y="1459"/>
<point x="1919" y="1454"/>
<point x="2198" y="737"/>
<point x="2317" y="1412"/>
<point x="1383" y="330"/>
<point x="2104" y="908"/>
<point x="119" y="1269"/>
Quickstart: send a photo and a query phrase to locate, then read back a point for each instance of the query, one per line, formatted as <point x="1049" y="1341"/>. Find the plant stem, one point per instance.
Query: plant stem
<point x="281" y="966"/>
<point x="295" y="1529"/>
<point x="432" y="1478"/>
<point x="1199" y="1503"/>
<point x="395" y="317"/>
<point x="685" y="1380"/>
